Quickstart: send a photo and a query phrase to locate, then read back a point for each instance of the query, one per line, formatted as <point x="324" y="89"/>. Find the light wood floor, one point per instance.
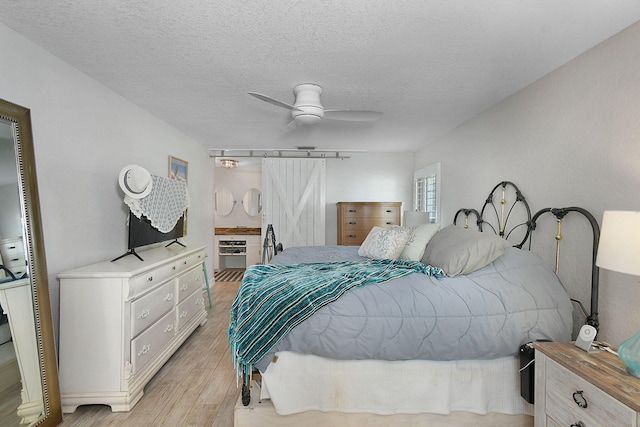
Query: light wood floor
<point x="197" y="386"/>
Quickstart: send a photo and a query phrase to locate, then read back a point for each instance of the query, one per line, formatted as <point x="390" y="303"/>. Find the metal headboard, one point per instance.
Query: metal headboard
<point x="503" y="214"/>
<point x="560" y="213"/>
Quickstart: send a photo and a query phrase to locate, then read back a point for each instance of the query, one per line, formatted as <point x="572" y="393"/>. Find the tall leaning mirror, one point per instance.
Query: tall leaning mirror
<point x="29" y="392"/>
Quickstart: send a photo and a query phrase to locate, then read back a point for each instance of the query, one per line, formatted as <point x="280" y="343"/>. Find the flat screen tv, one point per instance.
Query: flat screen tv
<point x="142" y="233"/>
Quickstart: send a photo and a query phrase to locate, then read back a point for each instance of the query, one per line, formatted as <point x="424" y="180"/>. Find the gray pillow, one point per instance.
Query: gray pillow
<point x="460" y="251"/>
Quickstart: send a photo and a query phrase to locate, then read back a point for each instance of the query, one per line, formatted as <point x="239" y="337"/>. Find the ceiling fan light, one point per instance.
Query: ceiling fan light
<point x="307" y="119"/>
<point x="228" y="163"/>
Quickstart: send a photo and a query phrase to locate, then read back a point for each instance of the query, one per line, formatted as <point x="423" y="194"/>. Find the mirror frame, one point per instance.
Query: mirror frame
<point x="34" y="246"/>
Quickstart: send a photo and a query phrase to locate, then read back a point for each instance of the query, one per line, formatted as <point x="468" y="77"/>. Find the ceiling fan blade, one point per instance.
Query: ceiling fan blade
<point x="352" y="115"/>
<point x="273" y="101"/>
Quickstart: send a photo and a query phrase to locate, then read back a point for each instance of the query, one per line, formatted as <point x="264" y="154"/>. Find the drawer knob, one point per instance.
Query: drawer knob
<point x="389" y="210"/>
<point x="169" y="297"/>
<point x="150" y="278"/>
<point x="145" y="349"/>
<point x="578" y="424"/>
<point x="352" y="223"/>
<point x="352" y="210"/>
<point x="352" y="235"/>
<point x="184" y="287"/>
<point x="184" y="262"/>
<point x="145" y="313"/>
<point x="173" y="267"/>
<point x="579" y="399"/>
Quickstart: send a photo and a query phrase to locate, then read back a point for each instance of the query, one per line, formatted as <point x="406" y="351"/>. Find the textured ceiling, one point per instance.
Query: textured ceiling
<point x="428" y="65"/>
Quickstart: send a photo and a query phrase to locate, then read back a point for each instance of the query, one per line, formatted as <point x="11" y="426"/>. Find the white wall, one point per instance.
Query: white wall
<point x="570" y="139"/>
<point x="83" y="135"/>
<point x="367" y="177"/>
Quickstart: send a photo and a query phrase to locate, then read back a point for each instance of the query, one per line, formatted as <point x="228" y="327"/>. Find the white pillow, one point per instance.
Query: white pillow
<point x="385" y="242"/>
<point x="417" y="243"/>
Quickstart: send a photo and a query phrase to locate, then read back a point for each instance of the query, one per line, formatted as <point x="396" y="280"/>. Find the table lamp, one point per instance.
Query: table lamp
<point x="619" y="250"/>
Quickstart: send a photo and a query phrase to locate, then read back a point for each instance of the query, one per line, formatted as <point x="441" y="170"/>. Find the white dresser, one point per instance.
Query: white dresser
<point x="12" y="256"/>
<point x="121" y="321"/>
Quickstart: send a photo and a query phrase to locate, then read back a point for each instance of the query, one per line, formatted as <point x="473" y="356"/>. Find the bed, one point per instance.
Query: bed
<point x="438" y="346"/>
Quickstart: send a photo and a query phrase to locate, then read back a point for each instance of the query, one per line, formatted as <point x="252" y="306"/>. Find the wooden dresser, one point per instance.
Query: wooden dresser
<point x="356" y="219"/>
<point x="573" y="387"/>
<point x="121" y="321"/>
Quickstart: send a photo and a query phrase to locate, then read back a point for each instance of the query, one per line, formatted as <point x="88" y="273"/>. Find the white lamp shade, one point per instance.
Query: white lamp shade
<point x="619" y="247"/>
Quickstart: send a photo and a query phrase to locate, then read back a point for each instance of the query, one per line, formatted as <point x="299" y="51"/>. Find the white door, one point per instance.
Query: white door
<point x="293" y="198"/>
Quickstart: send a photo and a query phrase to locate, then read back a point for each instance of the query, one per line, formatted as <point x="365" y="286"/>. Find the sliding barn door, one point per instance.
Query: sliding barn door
<point x="293" y="198"/>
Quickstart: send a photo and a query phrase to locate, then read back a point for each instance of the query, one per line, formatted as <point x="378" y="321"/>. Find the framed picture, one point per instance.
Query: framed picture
<point x="178" y="169"/>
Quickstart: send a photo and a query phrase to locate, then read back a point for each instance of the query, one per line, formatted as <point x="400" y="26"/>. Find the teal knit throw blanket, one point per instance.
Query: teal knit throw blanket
<point x="273" y="299"/>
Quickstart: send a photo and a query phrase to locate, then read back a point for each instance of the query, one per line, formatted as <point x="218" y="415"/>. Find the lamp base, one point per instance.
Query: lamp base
<point x="632" y="373"/>
<point x="629" y="353"/>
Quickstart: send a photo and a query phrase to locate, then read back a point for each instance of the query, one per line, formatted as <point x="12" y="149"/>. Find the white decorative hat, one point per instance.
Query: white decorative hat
<point x="135" y="181"/>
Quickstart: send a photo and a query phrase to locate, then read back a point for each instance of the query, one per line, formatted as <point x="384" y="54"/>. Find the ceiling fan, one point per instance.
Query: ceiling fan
<point x="307" y="108"/>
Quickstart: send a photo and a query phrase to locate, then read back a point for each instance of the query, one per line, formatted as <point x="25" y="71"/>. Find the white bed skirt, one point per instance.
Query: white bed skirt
<point x="297" y="383"/>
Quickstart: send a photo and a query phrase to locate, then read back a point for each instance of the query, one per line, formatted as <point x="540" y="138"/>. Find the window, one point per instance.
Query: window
<point x="426" y="191"/>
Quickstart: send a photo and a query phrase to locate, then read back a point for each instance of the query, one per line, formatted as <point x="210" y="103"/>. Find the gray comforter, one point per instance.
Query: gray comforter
<point x="487" y="314"/>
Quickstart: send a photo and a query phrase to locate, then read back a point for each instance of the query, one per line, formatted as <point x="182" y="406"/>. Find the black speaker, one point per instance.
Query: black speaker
<point x="527" y="372"/>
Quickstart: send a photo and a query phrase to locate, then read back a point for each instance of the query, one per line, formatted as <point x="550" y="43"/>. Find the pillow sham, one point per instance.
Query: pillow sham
<point x="385" y="242"/>
<point x="460" y="251"/>
<point x="418" y="239"/>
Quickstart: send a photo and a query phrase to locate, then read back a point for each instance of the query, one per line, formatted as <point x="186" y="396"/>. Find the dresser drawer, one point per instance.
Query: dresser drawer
<point x="190" y="282"/>
<point x="368" y="223"/>
<point x="187" y="309"/>
<point x="190" y="261"/>
<point x="368" y="211"/>
<point x="151" y="341"/>
<point x="149" y="308"/>
<point x="17" y="269"/>
<point x="145" y="281"/>
<point x="601" y="410"/>
<point x="12" y="250"/>
<point x="354" y="237"/>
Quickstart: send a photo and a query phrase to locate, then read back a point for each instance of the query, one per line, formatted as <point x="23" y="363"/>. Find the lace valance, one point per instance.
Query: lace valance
<point x="164" y="205"/>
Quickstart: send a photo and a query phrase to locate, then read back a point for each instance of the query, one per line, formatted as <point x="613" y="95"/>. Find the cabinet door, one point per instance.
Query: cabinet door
<point x="254" y="250"/>
<point x="216" y="254"/>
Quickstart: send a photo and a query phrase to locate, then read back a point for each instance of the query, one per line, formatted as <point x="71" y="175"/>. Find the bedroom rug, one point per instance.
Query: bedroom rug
<point x="229" y="275"/>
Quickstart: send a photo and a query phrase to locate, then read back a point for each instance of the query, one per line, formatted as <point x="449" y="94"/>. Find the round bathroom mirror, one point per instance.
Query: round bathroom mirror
<point x="252" y="202"/>
<point x="224" y="201"/>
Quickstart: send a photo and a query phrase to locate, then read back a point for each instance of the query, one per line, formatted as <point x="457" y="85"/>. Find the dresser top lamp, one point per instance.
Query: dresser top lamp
<point x="619" y="251"/>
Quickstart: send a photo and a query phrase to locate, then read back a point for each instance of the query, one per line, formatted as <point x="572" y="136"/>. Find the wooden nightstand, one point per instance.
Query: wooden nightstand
<point x="576" y="388"/>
